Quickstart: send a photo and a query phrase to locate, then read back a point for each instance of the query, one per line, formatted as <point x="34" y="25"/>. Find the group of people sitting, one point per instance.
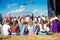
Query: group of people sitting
<point x="29" y="25"/>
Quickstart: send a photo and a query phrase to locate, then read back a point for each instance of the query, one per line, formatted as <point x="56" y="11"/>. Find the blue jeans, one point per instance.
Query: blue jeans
<point x="24" y="33"/>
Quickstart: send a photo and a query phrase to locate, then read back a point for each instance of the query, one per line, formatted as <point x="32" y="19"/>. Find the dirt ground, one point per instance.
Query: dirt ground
<point x="55" y="36"/>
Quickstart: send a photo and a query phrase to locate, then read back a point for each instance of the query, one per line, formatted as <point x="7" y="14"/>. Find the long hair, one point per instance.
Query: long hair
<point x="42" y="23"/>
<point x="14" y="24"/>
<point x="30" y="23"/>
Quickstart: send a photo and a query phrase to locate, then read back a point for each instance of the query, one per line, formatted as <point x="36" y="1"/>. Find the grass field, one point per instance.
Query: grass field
<point x="55" y="36"/>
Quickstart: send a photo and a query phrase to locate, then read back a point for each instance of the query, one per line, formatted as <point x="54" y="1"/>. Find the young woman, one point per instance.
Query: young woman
<point x="14" y="29"/>
<point x="48" y="24"/>
<point x="43" y="28"/>
<point x="36" y="27"/>
<point x="22" y="26"/>
<point x="30" y="28"/>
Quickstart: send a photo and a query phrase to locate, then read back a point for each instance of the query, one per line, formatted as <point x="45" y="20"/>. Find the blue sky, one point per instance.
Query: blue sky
<point x="16" y="7"/>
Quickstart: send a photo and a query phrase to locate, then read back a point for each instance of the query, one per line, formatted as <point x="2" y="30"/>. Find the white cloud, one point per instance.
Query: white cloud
<point x="17" y="10"/>
<point x="34" y="11"/>
<point x="43" y="12"/>
<point x="22" y="6"/>
<point x="11" y="5"/>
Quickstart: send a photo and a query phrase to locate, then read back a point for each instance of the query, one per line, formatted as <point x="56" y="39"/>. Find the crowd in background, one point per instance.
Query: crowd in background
<point x="29" y="25"/>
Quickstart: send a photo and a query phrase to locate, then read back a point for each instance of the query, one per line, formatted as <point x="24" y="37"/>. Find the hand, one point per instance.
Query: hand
<point x="43" y="30"/>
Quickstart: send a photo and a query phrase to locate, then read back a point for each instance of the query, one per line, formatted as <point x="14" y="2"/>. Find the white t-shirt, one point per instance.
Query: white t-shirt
<point x="45" y="28"/>
<point x="51" y="20"/>
<point x="39" y="19"/>
<point x="43" y="18"/>
<point x="5" y="29"/>
<point x="27" y="19"/>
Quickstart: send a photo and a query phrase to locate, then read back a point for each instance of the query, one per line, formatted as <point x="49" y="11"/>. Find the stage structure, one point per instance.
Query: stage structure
<point x="53" y="7"/>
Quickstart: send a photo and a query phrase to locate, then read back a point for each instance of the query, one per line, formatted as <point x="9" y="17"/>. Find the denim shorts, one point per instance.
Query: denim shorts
<point x="43" y="33"/>
<point x="13" y="34"/>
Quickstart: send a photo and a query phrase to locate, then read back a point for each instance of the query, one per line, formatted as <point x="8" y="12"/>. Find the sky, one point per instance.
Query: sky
<point x="16" y="7"/>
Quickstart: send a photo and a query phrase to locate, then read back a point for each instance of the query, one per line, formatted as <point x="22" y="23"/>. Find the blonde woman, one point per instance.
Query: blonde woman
<point x="30" y="28"/>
